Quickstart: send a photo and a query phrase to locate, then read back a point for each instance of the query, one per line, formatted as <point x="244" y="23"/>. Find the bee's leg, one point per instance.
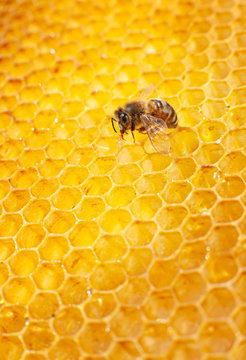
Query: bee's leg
<point x="133" y="136"/>
<point x="142" y="130"/>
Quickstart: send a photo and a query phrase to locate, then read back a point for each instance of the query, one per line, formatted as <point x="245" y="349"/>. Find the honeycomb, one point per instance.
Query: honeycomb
<point x="108" y="249"/>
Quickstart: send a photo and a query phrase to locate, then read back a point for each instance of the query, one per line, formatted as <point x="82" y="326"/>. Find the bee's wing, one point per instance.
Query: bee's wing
<point x="157" y="132"/>
<point x="145" y="92"/>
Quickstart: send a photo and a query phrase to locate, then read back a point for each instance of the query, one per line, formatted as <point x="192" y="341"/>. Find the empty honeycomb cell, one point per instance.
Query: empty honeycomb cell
<point x="19" y="129"/>
<point x="176" y="191"/>
<point x="7" y="168"/>
<point x="5" y="120"/>
<point x="155" y="339"/>
<point x="237" y="78"/>
<point x="66" y="198"/>
<point x="8" y="103"/>
<point x="7" y="248"/>
<point x="120" y="196"/>
<point x="80" y="262"/>
<point x="74" y="290"/>
<point x="43" y="305"/>
<point x="196" y="226"/>
<point x="190" y="97"/>
<point x="230" y="187"/>
<point x="186" y="320"/>
<point x="200" y="201"/>
<point x="211" y="130"/>
<point x="213" y="109"/>
<point x="166" y="243"/>
<point x="37" y="139"/>
<point x="30" y="158"/>
<point x="67" y="348"/>
<point x="125" y="174"/>
<point x="189" y="287"/>
<point x="48" y="276"/>
<point x="223" y="237"/>
<point x="227" y="211"/>
<point x="45" y="119"/>
<point x="82" y="74"/>
<point x="233" y="162"/>
<point x="195" y="78"/>
<point x="145" y="207"/>
<point x="80" y="155"/>
<point x="10" y="224"/>
<point x="137" y="261"/>
<point x="12" y="86"/>
<point x="187" y="138"/>
<point x="110" y="247"/>
<point x="159" y="305"/>
<point x="36" y="210"/>
<point x="217" y="337"/>
<point x="68" y="321"/>
<point x="217" y="89"/>
<point x="130" y="154"/>
<point x="12" y="319"/>
<point x="25" y="111"/>
<point x="24" y="262"/>
<point x="237" y="96"/>
<point x="107" y="276"/>
<point x="16" y="200"/>
<point x="170" y="87"/>
<point x="31" y="93"/>
<point x="96" y="186"/>
<point x="209" y="154"/>
<point x="162" y="273"/>
<point x="181" y="169"/>
<point x="220" y="268"/>
<point x="19" y="290"/>
<point x="59" y="148"/>
<point x="192" y="255"/>
<point x="218" y="303"/>
<point x="100" y="305"/>
<point x="59" y="221"/>
<point x="64" y="129"/>
<point x="44" y="188"/>
<point x="30" y="236"/>
<point x="73" y="175"/>
<point x="53" y="248"/>
<point x="95" y="338"/>
<point x="171" y="217"/>
<point x="206" y="176"/>
<point x="124" y="349"/>
<point x="150" y="184"/>
<point x="84" y="233"/>
<point x="12" y="346"/>
<point x="127" y="322"/>
<point x="90" y="208"/>
<point x="84" y="137"/>
<point x="173" y="69"/>
<point x="10" y="149"/>
<point x="234" y="139"/>
<point x="38" y="336"/>
<point x="115" y="220"/>
<point x="134" y="291"/>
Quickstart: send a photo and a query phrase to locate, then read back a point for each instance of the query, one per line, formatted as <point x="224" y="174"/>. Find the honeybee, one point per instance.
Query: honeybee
<point x="153" y="117"/>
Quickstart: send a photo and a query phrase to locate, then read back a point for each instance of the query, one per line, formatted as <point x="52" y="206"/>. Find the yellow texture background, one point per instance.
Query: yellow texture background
<point x="111" y="250"/>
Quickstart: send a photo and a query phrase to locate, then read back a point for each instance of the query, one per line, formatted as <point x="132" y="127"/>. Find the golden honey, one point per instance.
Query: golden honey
<point x="109" y="250"/>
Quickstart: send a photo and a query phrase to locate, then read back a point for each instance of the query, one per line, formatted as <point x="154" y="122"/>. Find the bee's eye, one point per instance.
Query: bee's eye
<point x="123" y="117"/>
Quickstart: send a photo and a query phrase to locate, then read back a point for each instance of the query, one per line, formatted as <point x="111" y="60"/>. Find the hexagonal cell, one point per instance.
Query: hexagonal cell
<point x="221" y="268"/>
<point x="166" y="243"/>
<point x="134" y="291"/>
<point x="150" y="184"/>
<point x="59" y="222"/>
<point x="124" y="349"/>
<point x="10" y="224"/>
<point x="90" y="208"/>
<point x="127" y="322"/>
<point x="196" y="226"/>
<point x="189" y="287"/>
<point x="64" y="347"/>
<point x="145" y="207"/>
<point x="234" y="139"/>
<point x="215" y="109"/>
<point x="176" y="191"/>
<point x="211" y="130"/>
<point x="140" y="232"/>
<point x="184" y="141"/>
<point x="126" y="174"/>
<point x="156" y="339"/>
<point x="129" y="154"/>
<point x="84" y="233"/>
<point x="68" y="321"/>
<point x="66" y="198"/>
<point x="74" y="290"/>
<point x="209" y="154"/>
<point x="155" y="162"/>
<point x="44" y="188"/>
<point x="19" y="290"/>
<point x="227" y="211"/>
<point x="24" y="262"/>
<point x="171" y="217"/>
<point x="230" y="187"/>
<point x="7" y="248"/>
<point x="194" y="78"/>
<point x="53" y="248"/>
<point x="200" y="201"/>
<point x="137" y="260"/>
<point x="186" y="320"/>
<point x="159" y="305"/>
<point x="218" y="303"/>
<point x="188" y="349"/>
<point x="110" y="247"/>
<point x="217" y="337"/>
<point x="43" y="305"/>
<point x="11" y="345"/>
<point x="48" y="276"/>
<point x="217" y="89"/>
<point x="223" y="237"/>
<point x="192" y="255"/>
<point x="36" y="210"/>
<point x="181" y="169"/>
<point x="38" y="336"/>
<point x="162" y="273"/>
<point x="235" y="116"/>
<point x="51" y="167"/>
<point x="99" y="305"/>
<point x="115" y="220"/>
<point x="89" y="336"/>
<point x="80" y="262"/>
<point x="12" y="318"/>
<point x="107" y="276"/>
<point x="206" y="176"/>
<point x="120" y="196"/>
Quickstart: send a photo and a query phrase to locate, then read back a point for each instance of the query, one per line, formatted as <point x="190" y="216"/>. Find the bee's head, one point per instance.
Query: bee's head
<point x="123" y="120"/>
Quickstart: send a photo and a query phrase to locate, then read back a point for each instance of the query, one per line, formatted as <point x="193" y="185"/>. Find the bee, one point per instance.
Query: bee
<point x="153" y="117"/>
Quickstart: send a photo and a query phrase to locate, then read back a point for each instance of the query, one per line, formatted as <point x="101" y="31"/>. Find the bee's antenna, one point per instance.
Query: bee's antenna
<point x="112" y="121"/>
